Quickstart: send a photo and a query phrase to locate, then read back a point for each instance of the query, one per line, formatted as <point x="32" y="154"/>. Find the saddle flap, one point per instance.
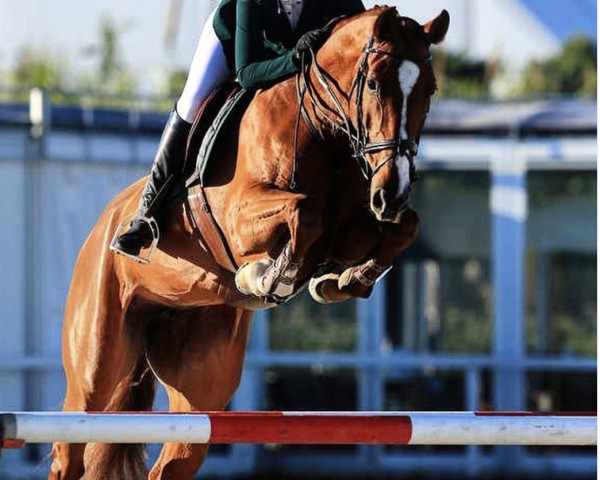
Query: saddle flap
<point x="221" y="114"/>
<point x="204" y="119"/>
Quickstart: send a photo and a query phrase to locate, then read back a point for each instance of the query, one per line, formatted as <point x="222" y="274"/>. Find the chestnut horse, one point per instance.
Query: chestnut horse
<point x="294" y="207"/>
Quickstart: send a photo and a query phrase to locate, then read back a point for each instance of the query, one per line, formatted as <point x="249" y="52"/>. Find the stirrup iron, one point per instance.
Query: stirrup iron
<point x="144" y="260"/>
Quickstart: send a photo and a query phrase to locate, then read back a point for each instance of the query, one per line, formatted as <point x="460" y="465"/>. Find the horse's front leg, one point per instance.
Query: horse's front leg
<point x="265" y="219"/>
<point x="340" y="283"/>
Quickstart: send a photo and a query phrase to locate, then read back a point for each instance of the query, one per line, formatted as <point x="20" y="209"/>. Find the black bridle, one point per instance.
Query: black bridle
<point x="358" y="137"/>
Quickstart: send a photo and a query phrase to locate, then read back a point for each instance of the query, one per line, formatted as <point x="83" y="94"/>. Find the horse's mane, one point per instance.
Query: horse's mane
<point x="372" y="13"/>
<point x="389" y="25"/>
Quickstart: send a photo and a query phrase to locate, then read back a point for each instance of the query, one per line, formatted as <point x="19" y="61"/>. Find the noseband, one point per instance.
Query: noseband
<point x="358" y="136"/>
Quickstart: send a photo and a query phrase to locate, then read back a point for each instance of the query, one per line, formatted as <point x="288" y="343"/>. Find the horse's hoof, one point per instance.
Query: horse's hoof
<point x="276" y="285"/>
<point x="350" y="283"/>
<point x="324" y="289"/>
<point x="248" y="275"/>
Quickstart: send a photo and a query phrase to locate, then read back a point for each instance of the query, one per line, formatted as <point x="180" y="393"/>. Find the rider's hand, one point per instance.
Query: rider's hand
<point x="312" y="40"/>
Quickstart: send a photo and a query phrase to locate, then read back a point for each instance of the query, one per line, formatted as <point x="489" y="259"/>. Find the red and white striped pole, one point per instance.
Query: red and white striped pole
<point x="399" y="428"/>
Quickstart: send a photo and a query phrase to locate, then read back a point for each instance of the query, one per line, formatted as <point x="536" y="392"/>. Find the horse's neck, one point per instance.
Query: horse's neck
<point x="282" y="147"/>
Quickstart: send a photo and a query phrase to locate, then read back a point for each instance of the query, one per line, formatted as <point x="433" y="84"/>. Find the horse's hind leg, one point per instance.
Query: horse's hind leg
<point x="198" y="357"/>
<point x="110" y="377"/>
<point x="105" y="370"/>
<point x="67" y="461"/>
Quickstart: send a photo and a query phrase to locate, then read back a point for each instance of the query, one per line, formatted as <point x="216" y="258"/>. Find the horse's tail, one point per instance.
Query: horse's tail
<point x="124" y="461"/>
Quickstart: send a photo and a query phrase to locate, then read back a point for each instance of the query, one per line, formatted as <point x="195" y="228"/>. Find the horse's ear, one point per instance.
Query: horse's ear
<point x="436" y="29"/>
<point x="387" y="22"/>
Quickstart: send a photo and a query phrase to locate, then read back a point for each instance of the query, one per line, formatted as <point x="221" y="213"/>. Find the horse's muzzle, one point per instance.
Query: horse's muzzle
<point x="387" y="207"/>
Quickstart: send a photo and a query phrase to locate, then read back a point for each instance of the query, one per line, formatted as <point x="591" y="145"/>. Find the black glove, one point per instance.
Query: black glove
<point x="312" y="40"/>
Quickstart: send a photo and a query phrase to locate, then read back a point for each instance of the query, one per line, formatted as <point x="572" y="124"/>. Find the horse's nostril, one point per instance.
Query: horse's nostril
<point x="378" y="201"/>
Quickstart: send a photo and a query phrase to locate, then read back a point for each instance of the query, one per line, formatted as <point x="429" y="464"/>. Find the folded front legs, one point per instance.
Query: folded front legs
<point x="262" y="221"/>
<point x="339" y="283"/>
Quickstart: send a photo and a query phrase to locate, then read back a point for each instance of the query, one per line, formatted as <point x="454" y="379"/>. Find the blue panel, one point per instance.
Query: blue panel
<point x="508" y="257"/>
<point x="508" y="180"/>
<point x="509" y="243"/>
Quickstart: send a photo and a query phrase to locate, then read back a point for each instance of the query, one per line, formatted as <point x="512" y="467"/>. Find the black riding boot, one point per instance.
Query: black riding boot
<point x="167" y="168"/>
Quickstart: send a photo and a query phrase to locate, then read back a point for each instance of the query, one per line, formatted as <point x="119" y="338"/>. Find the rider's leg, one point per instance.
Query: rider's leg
<point x="166" y="168"/>
<point x="208" y="70"/>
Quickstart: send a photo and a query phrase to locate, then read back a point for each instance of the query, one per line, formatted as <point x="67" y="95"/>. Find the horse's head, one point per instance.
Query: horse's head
<point x="388" y="92"/>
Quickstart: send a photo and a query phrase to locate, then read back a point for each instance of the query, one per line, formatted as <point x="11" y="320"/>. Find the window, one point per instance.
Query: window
<point x="439" y="294"/>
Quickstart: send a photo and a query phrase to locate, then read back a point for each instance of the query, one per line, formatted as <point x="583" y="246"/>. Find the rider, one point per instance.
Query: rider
<point x="261" y="41"/>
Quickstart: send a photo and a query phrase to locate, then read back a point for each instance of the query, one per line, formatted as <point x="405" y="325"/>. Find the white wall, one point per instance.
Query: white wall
<point x="505" y="29"/>
<point x="47" y="209"/>
<point x="12" y="281"/>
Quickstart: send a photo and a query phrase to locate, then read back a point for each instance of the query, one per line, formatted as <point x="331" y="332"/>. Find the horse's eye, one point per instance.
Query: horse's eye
<point x="373" y="85"/>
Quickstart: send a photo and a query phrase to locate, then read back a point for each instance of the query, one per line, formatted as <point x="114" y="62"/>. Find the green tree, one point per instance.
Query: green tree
<point x="113" y="76"/>
<point x="305" y="325"/>
<point x="110" y="64"/>
<point x="175" y="82"/>
<point x="460" y="76"/>
<point x="572" y="71"/>
<point x="35" y="68"/>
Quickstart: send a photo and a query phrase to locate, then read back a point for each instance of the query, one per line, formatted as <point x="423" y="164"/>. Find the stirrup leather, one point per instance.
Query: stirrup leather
<point x="144" y="260"/>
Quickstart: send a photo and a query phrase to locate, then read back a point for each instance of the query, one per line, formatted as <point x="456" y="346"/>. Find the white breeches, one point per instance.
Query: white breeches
<point x="208" y="71"/>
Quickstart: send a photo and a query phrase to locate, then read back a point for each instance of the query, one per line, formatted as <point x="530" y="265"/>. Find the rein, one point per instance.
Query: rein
<point x="358" y="138"/>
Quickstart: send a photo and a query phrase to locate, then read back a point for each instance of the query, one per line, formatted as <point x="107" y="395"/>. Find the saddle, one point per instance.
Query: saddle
<point x="217" y="122"/>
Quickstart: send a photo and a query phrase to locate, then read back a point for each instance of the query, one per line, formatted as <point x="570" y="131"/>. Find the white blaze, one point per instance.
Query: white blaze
<point x="408" y="74"/>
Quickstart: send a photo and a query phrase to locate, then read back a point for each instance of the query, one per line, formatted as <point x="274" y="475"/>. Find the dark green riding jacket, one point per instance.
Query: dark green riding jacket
<point x="258" y="40"/>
